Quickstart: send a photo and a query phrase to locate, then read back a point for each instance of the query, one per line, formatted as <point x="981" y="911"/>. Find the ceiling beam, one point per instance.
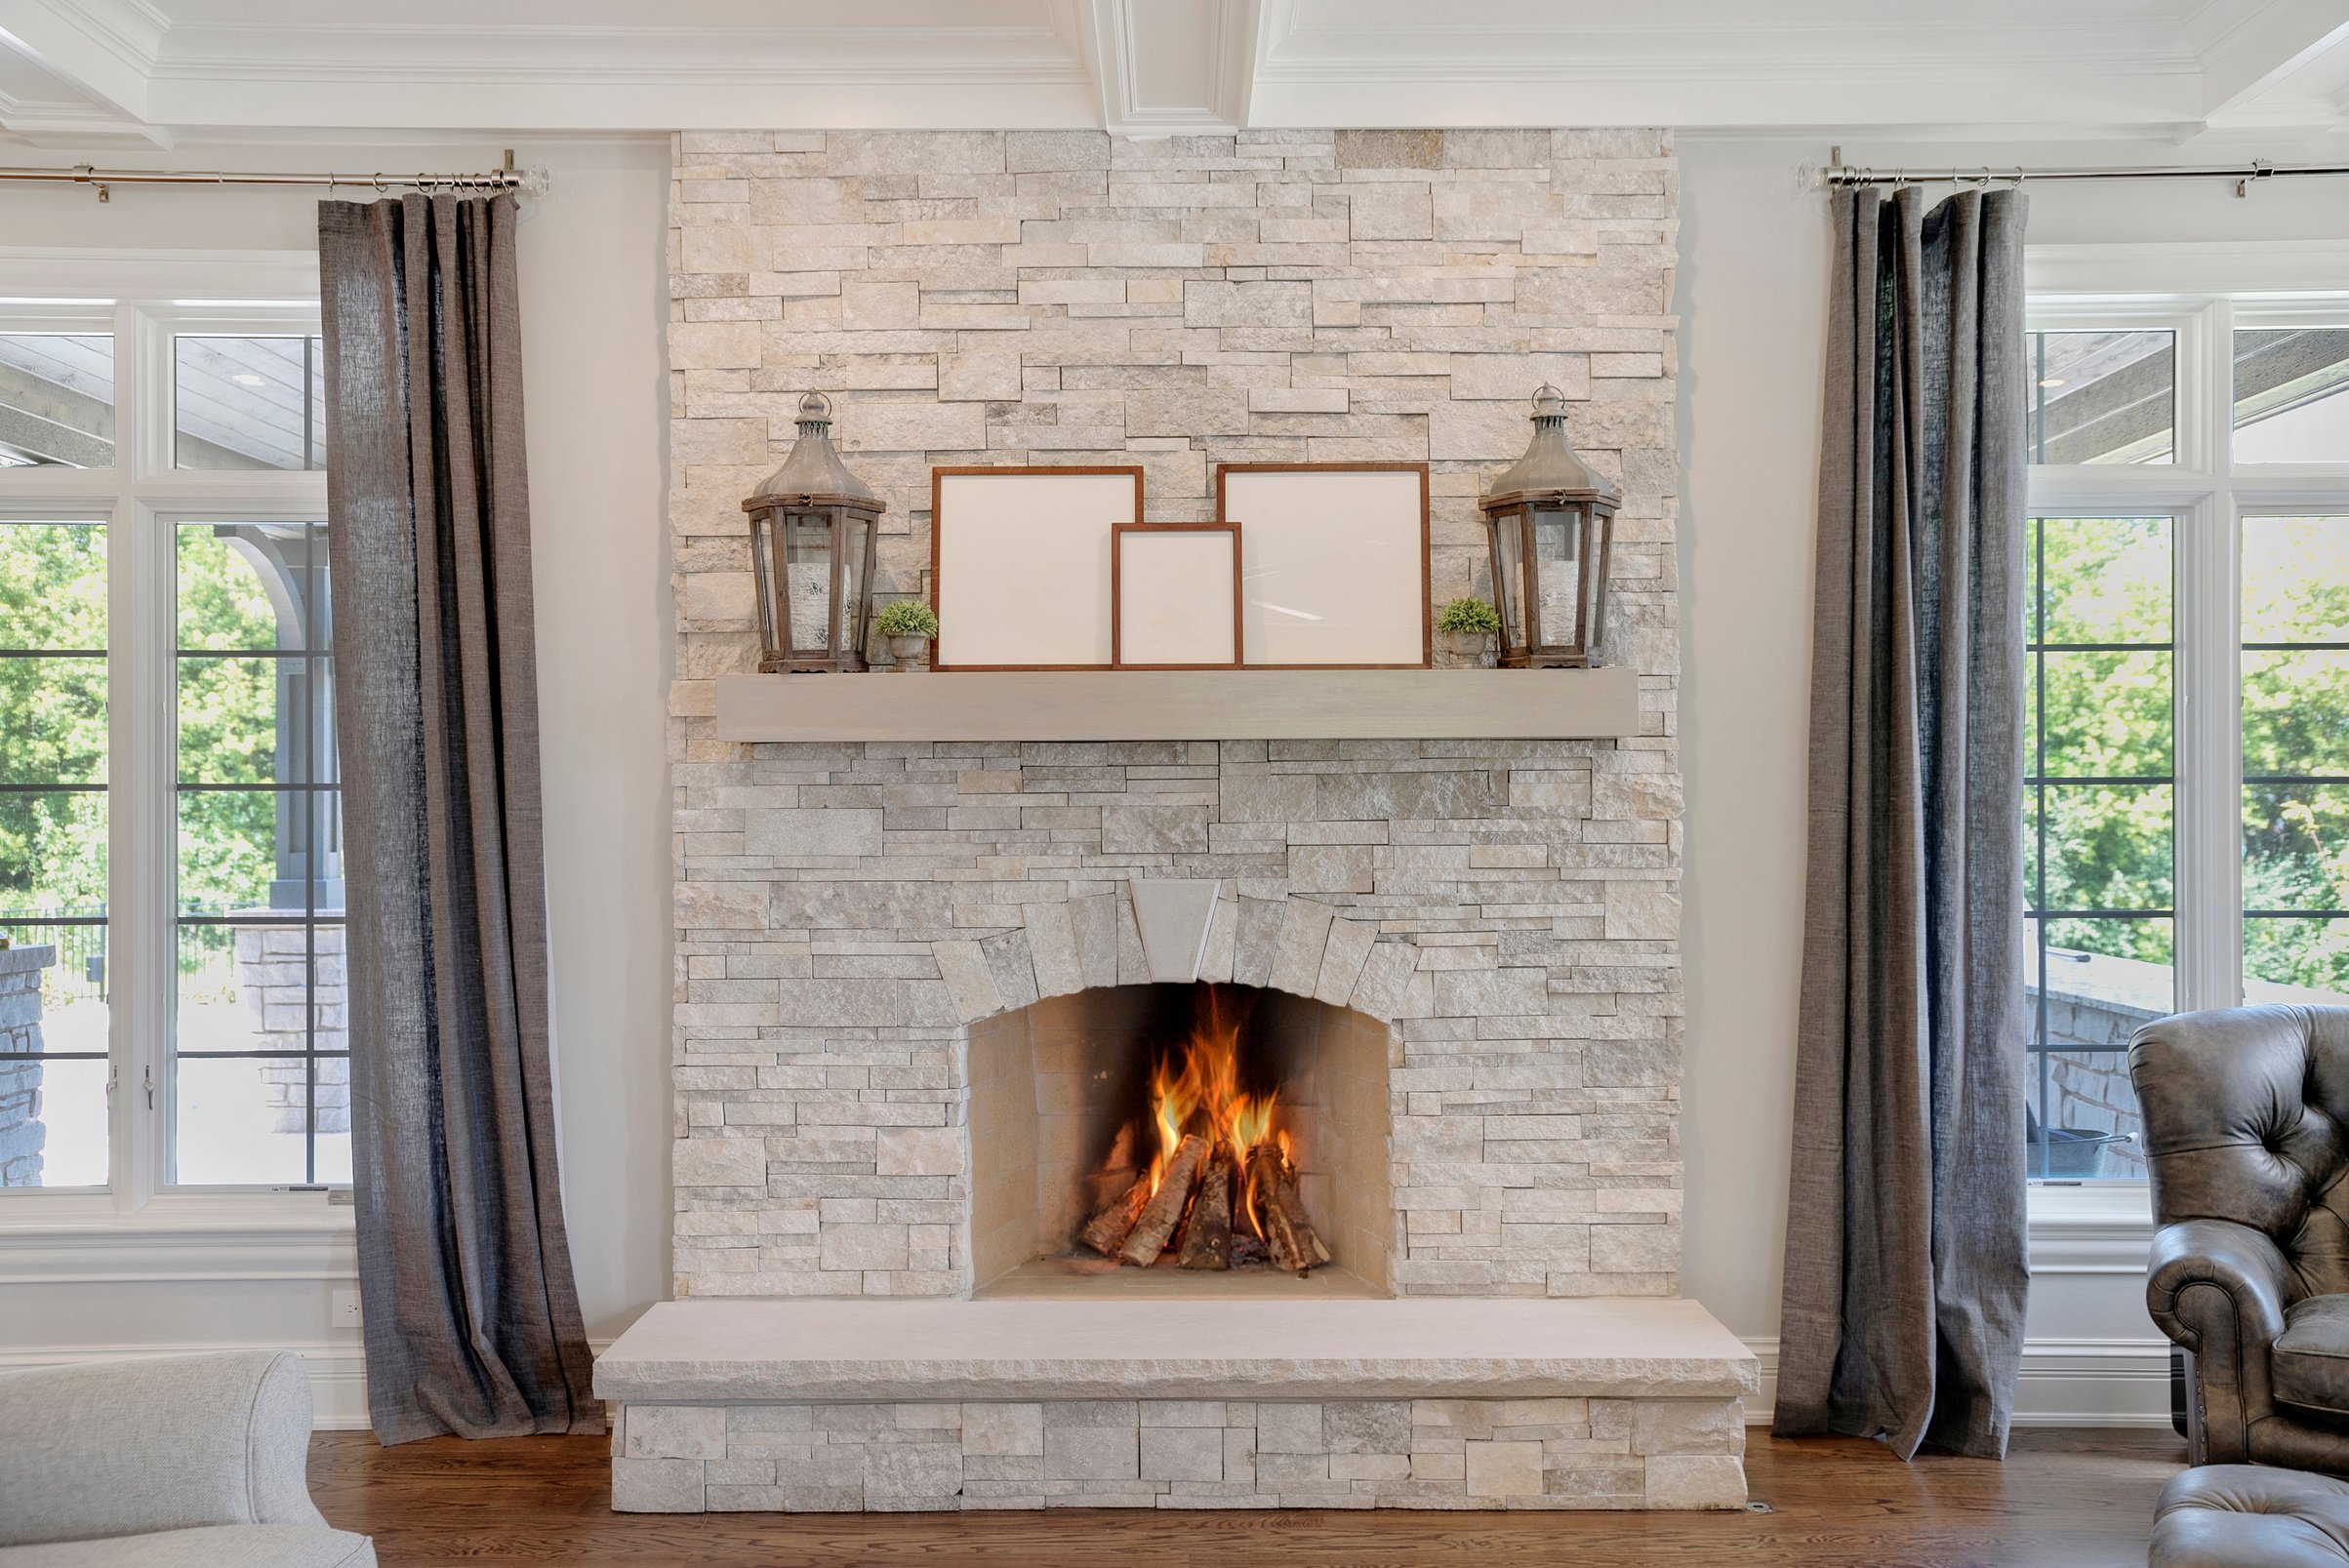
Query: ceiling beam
<point x="2247" y="46"/>
<point x="47" y="422"/>
<point x="1171" y="67"/>
<point x="102" y="49"/>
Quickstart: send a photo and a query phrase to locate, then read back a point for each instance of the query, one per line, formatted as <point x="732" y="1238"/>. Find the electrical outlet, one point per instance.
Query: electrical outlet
<point x="343" y="1308"/>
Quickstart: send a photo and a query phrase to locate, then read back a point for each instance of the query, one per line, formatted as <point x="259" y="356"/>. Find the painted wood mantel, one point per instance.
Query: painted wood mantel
<point x="1218" y="705"/>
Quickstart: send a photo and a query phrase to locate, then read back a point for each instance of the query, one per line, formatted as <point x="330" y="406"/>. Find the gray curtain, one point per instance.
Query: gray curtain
<point x="1906" y="1265"/>
<point x="472" y="1319"/>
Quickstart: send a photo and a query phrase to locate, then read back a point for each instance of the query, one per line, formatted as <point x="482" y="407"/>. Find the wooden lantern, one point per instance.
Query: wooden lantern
<point x="813" y="526"/>
<point x="1551" y="524"/>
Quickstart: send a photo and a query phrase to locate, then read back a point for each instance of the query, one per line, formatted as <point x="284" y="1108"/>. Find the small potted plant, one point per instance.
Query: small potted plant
<point x="908" y="625"/>
<point x="1465" y="632"/>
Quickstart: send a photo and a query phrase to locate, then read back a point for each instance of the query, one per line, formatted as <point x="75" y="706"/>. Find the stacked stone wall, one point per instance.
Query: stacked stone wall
<point x="21" y="1133"/>
<point x="282" y="976"/>
<point x="843" y="911"/>
<point x="1521" y="1453"/>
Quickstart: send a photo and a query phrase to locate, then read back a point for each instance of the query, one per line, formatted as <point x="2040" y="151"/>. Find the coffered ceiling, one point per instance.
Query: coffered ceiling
<point x="84" y="73"/>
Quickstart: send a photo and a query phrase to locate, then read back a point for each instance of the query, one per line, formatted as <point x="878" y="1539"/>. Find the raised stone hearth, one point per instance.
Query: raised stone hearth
<point x="829" y="1407"/>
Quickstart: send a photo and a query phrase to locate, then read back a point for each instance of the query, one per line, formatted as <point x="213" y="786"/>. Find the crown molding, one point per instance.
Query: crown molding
<point x="1997" y="69"/>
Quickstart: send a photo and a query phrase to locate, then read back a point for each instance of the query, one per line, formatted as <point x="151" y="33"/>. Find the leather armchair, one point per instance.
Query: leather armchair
<point x="2244" y="1111"/>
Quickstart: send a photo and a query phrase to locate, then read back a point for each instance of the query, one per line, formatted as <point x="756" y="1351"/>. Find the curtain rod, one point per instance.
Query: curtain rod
<point x="1836" y="173"/>
<point x="528" y="181"/>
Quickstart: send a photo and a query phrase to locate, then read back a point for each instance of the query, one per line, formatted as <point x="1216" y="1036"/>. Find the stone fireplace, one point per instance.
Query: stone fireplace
<point x="1490" y="905"/>
<point x="923" y="983"/>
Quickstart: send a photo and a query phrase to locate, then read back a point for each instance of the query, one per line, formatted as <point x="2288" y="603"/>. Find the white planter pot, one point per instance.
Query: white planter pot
<point x="1464" y="650"/>
<point x="906" y="654"/>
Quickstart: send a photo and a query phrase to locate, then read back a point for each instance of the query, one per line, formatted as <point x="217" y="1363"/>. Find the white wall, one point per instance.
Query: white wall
<point x="1751" y="302"/>
<point x="595" y="302"/>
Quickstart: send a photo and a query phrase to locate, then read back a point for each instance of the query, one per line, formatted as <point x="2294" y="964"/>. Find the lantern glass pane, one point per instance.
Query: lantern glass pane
<point x="1508" y="592"/>
<point x="807" y="578"/>
<point x="1557" y="562"/>
<point x="852" y="591"/>
<point x="1602" y="534"/>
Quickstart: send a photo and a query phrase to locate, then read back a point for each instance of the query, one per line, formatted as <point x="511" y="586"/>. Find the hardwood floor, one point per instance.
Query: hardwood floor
<point x="2063" y="1500"/>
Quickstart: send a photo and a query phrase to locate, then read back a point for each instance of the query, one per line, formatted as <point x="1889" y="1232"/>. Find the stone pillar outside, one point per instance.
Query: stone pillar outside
<point x="272" y="976"/>
<point x="21" y="1135"/>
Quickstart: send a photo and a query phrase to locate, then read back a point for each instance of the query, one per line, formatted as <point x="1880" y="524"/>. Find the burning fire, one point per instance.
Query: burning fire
<point x="1196" y="1090"/>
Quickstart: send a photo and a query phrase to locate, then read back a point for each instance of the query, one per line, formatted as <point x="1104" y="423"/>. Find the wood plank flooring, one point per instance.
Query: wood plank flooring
<point x="2063" y="1500"/>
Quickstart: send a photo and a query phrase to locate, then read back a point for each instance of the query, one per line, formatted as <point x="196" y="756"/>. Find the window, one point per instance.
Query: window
<point x="54" y="842"/>
<point x="2103" y="396"/>
<point x="57" y="399"/>
<point x="2186" y="798"/>
<point x="172" y="1001"/>
<point x="2295" y="758"/>
<point x="260" y="895"/>
<point x="248" y="402"/>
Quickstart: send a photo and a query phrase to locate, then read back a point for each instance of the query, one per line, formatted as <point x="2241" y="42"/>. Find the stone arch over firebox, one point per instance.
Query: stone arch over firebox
<point x="1295" y="945"/>
<point x="1307" y="951"/>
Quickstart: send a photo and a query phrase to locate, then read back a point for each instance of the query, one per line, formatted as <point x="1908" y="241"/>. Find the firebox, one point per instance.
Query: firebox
<point x="1176" y="1139"/>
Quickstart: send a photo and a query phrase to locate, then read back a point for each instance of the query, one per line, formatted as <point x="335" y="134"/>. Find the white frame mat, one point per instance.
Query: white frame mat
<point x="1177" y="588"/>
<point x="1020" y="564"/>
<point x="1334" y="563"/>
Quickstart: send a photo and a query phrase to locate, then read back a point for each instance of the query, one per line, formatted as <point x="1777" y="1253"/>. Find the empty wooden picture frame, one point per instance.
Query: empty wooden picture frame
<point x="1020" y="564"/>
<point x="1334" y="564"/>
<point x="1175" y="595"/>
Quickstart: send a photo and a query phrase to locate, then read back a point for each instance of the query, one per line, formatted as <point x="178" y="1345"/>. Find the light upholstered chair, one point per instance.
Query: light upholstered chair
<point x="2244" y="1111"/>
<point x="181" y="1462"/>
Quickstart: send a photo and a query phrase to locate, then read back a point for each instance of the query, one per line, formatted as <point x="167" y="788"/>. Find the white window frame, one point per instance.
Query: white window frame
<point x="144" y="298"/>
<point x="2203" y="293"/>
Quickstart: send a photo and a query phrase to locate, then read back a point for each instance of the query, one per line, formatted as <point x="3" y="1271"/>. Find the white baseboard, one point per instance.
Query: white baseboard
<point x="2063" y="1382"/>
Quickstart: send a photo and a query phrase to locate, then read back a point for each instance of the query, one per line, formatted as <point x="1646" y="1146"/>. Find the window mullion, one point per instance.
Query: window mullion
<point x="144" y="981"/>
<point x="2210" y="853"/>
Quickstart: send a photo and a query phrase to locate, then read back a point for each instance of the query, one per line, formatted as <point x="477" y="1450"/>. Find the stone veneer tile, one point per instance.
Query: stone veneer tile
<point x="1504" y="1469"/>
<point x="1182" y="1454"/>
<point x="675" y="1431"/>
<point x="656" y="1485"/>
<point x="1003" y="1429"/>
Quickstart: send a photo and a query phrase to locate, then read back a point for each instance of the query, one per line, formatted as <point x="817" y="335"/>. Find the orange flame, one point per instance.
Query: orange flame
<point x="1196" y="1090"/>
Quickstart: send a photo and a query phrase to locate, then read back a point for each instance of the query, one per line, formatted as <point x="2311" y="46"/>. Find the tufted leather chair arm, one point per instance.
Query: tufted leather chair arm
<point x="2219" y="1288"/>
<point x="2247" y="1273"/>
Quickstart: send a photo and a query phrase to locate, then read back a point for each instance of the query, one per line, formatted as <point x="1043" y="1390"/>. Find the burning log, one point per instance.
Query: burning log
<point x="1107" y="1230"/>
<point x="1165" y="1210"/>
<point x="1207" y="1236"/>
<point x="1288" y="1232"/>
